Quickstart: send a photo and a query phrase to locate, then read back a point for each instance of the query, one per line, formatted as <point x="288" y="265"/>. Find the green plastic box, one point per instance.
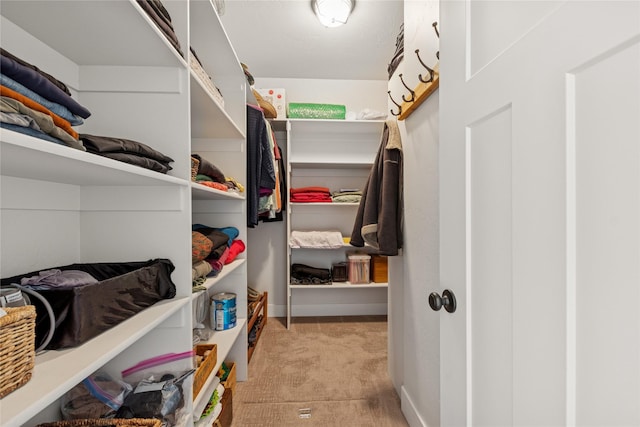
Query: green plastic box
<point x="297" y="110"/>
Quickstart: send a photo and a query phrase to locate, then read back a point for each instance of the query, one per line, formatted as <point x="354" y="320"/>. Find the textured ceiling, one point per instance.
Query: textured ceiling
<point x="283" y="39"/>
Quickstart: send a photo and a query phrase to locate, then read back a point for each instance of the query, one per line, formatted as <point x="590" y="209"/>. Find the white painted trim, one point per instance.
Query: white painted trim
<point x="571" y="274"/>
<point x="322" y="310"/>
<point x="279" y="310"/>
<point x="339" y="309"/>
<point x="409" y="410"/>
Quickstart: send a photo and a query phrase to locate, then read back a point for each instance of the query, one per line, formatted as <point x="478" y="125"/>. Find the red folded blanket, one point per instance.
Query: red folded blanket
<point x="310" y="197"/>
<point x="309" y="190"/>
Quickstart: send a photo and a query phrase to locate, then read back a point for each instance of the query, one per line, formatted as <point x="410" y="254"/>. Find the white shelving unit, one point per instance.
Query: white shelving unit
<point x="60" y="206"/>
<point x="335" y="154"/>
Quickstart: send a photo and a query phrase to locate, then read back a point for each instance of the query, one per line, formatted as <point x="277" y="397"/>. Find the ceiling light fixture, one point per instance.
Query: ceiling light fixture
<point x="332" y="13"/>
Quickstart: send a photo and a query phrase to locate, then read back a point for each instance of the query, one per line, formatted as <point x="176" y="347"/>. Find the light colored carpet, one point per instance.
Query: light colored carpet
<point x="324" y="371"/>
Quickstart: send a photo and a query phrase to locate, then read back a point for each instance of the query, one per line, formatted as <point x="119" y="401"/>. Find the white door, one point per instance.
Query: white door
<point x="540" y="212"/>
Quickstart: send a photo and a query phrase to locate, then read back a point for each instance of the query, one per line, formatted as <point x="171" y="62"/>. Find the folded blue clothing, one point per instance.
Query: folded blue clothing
<point x="46" y="75"/>
<point x="55" y="108"/>
<point x="40" y="85"/>
<point x="32" y="132"/>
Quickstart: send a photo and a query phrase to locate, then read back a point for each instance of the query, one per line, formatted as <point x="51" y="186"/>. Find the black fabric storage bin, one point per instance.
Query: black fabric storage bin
<point x="83" y="312"/>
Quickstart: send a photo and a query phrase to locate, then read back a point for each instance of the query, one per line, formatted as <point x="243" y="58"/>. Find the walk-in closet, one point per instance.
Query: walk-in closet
<point x="389" y="213"/>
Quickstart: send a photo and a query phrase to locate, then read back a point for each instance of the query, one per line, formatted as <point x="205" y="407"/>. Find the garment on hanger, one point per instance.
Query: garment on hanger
<point x="268" y="204"/>
<point x="281" y="189"/>
<point x="260" y="169"/>
<point x="379" y="218"/>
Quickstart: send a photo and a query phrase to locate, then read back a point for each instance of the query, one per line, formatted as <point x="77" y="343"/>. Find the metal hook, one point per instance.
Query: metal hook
<point x="397" y="105"/>
<point x="430" y="79"/>
<point x="435" y="27"/>
<point x="413" y="94"/>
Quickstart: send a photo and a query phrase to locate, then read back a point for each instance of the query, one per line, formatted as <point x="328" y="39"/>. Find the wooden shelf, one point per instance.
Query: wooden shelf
<point x="261" y="308"/>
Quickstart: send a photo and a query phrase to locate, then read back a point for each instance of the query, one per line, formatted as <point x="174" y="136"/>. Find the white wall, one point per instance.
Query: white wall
<point x="414" y="347"/>
<point x="420" y="361"/>
<point x="267" y="242"/>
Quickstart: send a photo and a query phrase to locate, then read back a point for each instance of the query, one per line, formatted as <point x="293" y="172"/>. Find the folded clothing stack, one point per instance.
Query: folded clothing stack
<point x="158" y="14"/>
<point x="34" y="103"/>
<point x="316" y="239"/>
<point x="310" y="195"/>
<point x="128" y="151"/>
<point x="213" y="248"/>
<point x="346" y="196"/>
<point x="207" y="173"/>
<point x="302" y="274"/>
<point x="205" y="79"/>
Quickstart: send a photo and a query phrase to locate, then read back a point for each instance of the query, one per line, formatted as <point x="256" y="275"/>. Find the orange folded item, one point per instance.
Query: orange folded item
<point x="59" y="121"/>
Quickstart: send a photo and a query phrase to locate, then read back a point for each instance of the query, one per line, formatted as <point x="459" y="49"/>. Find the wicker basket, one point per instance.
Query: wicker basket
<point x="106" y="422"/>
<point x="195" y="165"/>
<point x="17" y="347"/>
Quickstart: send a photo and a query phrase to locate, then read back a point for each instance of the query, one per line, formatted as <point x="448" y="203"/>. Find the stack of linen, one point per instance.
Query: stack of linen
<point x="34" y="103"/>
<point x="346" y="195"/>
<point x="310" y="195"/>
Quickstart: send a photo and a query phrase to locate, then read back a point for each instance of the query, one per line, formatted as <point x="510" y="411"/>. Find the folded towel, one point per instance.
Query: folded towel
<point x="316" y="239"/>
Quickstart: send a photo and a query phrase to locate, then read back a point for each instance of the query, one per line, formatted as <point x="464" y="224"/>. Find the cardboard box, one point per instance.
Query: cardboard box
<point x="277" y="98"/>
<point x="379" y="269"/>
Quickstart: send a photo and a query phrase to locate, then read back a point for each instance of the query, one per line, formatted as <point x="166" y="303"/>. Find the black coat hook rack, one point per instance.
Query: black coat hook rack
<point x="425" y="87"/>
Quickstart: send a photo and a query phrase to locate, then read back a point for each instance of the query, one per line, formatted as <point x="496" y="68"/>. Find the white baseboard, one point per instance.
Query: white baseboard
<point x="410" y="411"/>
<point x="329" y="310"/>
<point x="279" y="310"/>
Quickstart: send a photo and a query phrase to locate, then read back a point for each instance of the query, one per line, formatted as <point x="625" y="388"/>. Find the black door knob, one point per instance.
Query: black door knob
<point x="447" y="300"/>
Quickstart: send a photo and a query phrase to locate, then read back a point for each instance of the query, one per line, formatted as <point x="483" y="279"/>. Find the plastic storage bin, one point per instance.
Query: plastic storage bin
<point x="339" y="272"/>
<point x="359" y="267"/>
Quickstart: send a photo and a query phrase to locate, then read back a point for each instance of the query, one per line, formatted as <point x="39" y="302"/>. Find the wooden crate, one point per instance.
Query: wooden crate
<point x="379" y="269"/>
<point x="230" y="382"/>
<point x="226" y="416"/>
<point x="206" y="368"/>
